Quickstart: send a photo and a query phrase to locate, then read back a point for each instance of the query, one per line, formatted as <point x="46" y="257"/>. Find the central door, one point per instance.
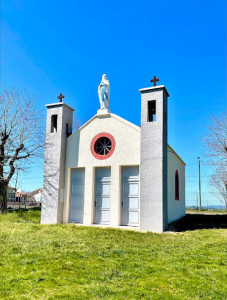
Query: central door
<point x="102" y="196"/>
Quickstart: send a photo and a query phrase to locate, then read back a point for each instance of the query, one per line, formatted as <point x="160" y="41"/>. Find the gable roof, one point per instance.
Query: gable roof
<point x="174" y="152"/>
<point x="124" y="122"/>
<point x="106" y="116"/>
<point x="35" y="192"/>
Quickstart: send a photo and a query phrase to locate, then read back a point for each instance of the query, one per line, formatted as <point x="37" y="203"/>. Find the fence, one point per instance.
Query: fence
<point x="24" y="203"/>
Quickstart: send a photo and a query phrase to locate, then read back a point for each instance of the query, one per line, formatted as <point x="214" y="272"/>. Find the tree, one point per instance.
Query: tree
<point x="216" y="140"/>
<point x="21" y="136"/>
<point x="219" y="184"/>
<point x="216" y="144"/>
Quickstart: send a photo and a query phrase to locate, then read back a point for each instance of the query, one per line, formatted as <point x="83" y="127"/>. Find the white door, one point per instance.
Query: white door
<point x="102" y="196"/>
<point x="130" y="196"/>
<point x="77" y="196"/>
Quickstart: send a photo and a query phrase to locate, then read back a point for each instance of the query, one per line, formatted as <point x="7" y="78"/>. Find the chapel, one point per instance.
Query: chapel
<point x="111" y="172"/>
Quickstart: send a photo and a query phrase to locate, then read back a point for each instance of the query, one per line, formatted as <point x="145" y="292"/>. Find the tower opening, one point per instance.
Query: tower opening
<point x="151" y="111"/>
<point x="54" y="123"/>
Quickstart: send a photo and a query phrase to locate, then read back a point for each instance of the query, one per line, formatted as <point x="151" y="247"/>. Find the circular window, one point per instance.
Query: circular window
<point x="103" y="145"/>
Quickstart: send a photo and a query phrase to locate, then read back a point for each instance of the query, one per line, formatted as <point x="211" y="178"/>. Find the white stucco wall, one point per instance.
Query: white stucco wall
<point x="176" y="208"/>
<point x="78" y="154"/>
<point x="127" y="153"/>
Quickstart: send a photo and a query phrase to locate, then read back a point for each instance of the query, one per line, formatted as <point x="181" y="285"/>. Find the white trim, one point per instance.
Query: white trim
<point x="60" y="104"/>
<point x="125" y="122"/>
<point x="157" y="87"/>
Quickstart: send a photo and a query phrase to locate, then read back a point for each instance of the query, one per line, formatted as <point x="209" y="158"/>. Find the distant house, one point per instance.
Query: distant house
<point x="36" y="195"/>
<point x="21" y="196"/>
<point x="11" y="193"/>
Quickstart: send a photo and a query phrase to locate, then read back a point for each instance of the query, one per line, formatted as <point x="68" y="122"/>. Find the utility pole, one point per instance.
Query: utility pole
<point x="226" y="194"/>
<point x="197" y="204"/>
<point x="200" y="203"/>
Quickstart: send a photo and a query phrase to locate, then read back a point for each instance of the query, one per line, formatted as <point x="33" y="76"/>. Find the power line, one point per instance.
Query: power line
<point x="32" y="182"/>
<point x="197" y="191"/>
<point x="31" y="177"/>
<point x="204" y="181"/>
<point x="198" y="176"/>
<point x="187" y="165"/>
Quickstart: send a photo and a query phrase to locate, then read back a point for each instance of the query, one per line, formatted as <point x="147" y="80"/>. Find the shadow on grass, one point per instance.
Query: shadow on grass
<point x="189" y="222"/>
<point x="199" y="221"/>
<point x="31" y="215"/>
<point x="20" y="210"/>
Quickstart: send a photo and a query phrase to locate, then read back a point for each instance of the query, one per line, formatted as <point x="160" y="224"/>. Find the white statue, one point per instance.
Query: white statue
<point x="104" y="92"/>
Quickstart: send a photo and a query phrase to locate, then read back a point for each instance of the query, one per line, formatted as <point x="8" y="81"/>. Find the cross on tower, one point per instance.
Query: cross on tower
<point x="60" y="97"/>
<point x="154" y="80"/>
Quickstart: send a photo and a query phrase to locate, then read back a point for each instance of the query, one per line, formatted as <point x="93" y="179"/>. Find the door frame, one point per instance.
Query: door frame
<point x="94" y="196"/>
<point x="70" y="193"/>
<point x="122" y="196"/>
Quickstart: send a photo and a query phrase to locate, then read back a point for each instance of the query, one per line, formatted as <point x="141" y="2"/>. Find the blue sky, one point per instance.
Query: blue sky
<point x="48" y="47"/>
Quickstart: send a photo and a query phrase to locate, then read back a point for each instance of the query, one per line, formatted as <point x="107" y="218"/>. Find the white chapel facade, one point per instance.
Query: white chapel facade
<point x="111" y="172"/>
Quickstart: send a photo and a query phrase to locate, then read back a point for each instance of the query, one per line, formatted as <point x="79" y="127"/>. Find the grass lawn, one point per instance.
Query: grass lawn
<point x="210" y="211"/>
<point x="76" y="262"/>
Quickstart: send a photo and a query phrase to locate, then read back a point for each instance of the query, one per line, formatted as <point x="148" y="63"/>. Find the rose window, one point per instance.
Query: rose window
<point x="103" y="146"/>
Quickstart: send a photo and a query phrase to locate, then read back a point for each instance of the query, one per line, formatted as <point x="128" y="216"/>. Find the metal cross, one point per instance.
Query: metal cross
<point x="154" y="80"/>
<point x="60" y="97"/>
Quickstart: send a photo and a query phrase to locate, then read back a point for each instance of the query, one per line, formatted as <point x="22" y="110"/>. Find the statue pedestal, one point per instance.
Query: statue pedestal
<point x="103" y="112"/>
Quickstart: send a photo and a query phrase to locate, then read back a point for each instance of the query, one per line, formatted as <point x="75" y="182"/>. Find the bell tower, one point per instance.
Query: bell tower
<point x="153" y="164"/>
<point x="58" y="128"/>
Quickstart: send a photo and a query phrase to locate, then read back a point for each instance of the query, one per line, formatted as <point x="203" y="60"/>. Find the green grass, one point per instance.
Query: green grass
<point x="206" y="211"/>
<point x="76" y="262"/>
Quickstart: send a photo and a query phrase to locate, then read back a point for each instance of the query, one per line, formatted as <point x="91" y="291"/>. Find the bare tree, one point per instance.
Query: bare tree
<point x="216" y="145"/>
<point x="21" y="136"/>
<point x="219" y="185"/>
<point x="76" y="123"/>
<point x="216" y="140"/>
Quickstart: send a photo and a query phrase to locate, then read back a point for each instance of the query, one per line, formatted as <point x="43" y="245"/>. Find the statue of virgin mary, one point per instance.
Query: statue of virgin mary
<point x="104" y="92"/>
